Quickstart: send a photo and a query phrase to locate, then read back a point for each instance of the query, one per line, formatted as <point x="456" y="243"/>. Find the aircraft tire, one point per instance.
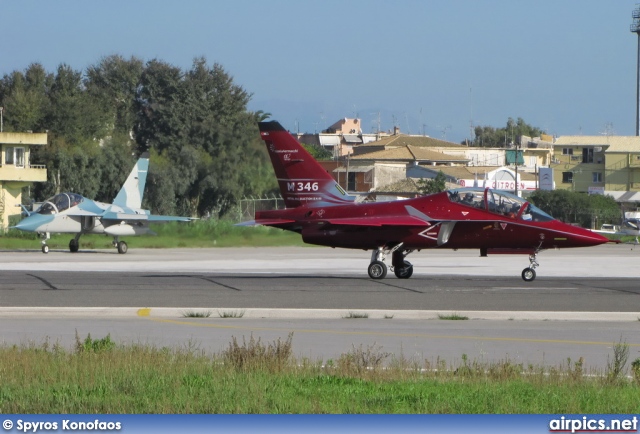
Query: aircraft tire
<point x="122" y="247"/>
<point x="404" y="272"/>
<point x="45" y="249"/>
<point x="377" y="270"/>
<point x="73" y="246"/>
<point x="528" y="274"/>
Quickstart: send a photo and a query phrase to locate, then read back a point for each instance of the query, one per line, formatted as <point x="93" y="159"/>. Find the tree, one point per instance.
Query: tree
<point x="198" y="123"/>
<point x="318" y="152"/>
<point x="25" y="98"/>
<point x="491" y="137"/>
<point x="574" y="207"/>
<point x="431" y="186"/>
<point x="114" y="82"/>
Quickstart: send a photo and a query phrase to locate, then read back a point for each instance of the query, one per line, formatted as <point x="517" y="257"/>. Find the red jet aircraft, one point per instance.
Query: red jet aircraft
<point x="467" y="218"/>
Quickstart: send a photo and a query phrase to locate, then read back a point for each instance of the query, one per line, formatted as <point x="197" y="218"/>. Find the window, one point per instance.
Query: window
<point x="567" y="151"/>
<point x="596" y="177"/>
<point x="19" y="157"/>
<point x="8" y="155"/>
<point x="351" y="182"/>
<point x="587" y="155"/>
<point x="14" y="155"/>
<point x="567" y="177"/>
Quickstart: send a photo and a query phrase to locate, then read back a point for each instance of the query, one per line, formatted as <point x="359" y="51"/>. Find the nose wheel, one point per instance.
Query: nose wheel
<point x="45" y="236"/>
<point x="529" y="273"/>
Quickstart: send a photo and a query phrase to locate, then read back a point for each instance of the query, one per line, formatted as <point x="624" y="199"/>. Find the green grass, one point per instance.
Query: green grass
<point x="194" y="314"/>
<point x="231" y="314"/>
<point x="98" y="376"/>
<point x="199" y="233"/>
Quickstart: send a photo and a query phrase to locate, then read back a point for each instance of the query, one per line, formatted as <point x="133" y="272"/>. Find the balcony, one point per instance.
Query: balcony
<point x="30" y="173"/>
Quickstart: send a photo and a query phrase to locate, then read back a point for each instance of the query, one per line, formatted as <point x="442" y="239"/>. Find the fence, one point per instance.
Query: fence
<point x="249" y="205"/>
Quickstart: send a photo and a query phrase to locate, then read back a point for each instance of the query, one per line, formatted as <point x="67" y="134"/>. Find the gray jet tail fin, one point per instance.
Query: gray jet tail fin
<point x="132" y="191"/>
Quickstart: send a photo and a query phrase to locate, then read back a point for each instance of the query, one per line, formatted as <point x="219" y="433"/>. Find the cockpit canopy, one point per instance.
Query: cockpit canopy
<point x="499" y="202"/>
<point x="60" y="202"/>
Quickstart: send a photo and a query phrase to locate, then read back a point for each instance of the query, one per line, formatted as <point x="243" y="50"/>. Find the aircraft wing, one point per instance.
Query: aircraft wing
<point x="169" y="218"/>
<point x="412" y="218"/>
<point x="77" y="212"/>
<point x="403" y="220"/>
<point x="142" y="217"/>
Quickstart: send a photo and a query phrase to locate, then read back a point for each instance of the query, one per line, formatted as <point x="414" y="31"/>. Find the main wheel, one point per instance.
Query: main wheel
<point x="528" y="274"/>
<point x="377" y="270"/>
<point x="45" y="249"/>
<point x="122" y="247"/>
<point x="404" y="272"/>
<point x="73" y="245"/>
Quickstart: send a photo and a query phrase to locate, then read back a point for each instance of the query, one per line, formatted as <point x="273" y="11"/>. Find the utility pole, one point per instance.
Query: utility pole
<point x="516" y="183"/>
<point x="635" y="28"/>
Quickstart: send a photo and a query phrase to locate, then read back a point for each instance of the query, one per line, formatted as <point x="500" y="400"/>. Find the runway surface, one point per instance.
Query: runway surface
<point x="582" y="302"/>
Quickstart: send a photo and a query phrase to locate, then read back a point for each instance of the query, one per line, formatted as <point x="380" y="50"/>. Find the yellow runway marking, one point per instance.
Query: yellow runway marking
<point x="388" y="334"/>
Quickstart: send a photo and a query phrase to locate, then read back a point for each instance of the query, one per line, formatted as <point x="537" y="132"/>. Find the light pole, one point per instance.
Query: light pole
<point x="635" y="28"/>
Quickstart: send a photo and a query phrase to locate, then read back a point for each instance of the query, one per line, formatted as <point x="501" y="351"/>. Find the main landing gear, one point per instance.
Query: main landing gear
<point x="401" y="268"/>
<point x="74" y="244"/>
<point x="121" y="245"/>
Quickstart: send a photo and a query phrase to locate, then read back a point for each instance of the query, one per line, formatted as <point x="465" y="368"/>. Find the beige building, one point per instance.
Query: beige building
<point x="16" y="170"/>
<point x="597" y="164"/>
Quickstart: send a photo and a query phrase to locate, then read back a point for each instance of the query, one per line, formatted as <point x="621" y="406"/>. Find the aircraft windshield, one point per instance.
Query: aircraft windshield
<point x="500" y="202"/>
<point x="59" y="202"/>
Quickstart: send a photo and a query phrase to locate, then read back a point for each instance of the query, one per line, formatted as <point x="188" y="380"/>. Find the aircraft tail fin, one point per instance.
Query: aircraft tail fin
<point x="132" y="191"/>
<point x="302" y="180"/>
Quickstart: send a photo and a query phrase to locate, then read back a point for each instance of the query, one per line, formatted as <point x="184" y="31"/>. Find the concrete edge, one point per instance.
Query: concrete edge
<point x="259" y="313"/>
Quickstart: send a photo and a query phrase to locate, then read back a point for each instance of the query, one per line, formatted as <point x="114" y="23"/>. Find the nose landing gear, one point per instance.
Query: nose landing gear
<point x="529" y="273"/>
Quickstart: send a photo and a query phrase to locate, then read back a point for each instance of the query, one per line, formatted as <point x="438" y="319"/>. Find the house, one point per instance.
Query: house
<point x="16" y="170"/>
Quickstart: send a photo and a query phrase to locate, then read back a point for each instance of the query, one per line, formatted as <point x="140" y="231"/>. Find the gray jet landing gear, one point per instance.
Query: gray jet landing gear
<point x="121" y="245"/>
<point x="401" y="268"/>
<point x="45" y="236"/>
<point x="74" y="244"/>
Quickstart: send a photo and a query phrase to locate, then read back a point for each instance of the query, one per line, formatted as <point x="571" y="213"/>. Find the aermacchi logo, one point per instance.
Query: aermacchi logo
<point x="320" y="213"/>
<point x="286" y="157"/>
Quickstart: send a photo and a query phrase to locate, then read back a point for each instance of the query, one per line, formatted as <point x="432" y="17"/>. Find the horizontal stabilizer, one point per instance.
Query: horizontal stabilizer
<point x="265" y="222"/>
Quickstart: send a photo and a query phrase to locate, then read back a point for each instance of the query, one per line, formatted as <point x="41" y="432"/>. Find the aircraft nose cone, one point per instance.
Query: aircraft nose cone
<point x="587" y="238"/>
<point x="33" y="223"/>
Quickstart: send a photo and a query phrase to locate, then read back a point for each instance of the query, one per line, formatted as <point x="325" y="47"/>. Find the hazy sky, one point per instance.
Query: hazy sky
<point x="568" y="67"/>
